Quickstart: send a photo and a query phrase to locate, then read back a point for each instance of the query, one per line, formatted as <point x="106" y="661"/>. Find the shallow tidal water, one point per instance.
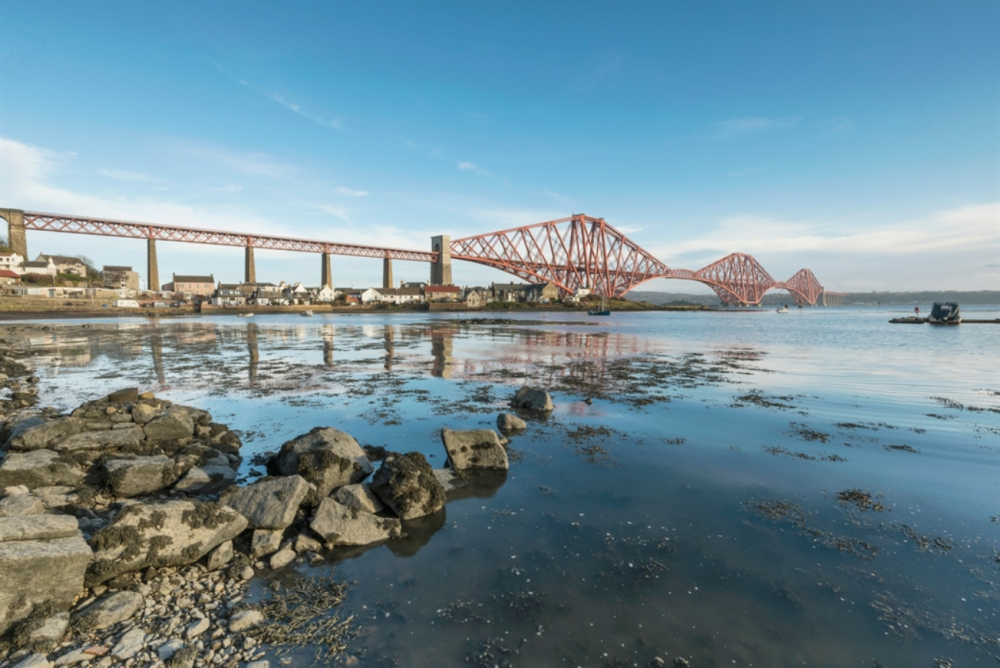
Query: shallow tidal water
<point x="820" y="488"/>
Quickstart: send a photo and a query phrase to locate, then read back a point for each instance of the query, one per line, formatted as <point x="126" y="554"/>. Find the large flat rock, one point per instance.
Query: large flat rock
<point x="175" y="424"/>
<point x="326" y="457"/>
<point x="34" y="572"/>
<point x="38" y="468"/>
<point x="474" y="449"/>
<point x="340" y="525"/>
<point x="103" y="439"/>
<point x="47" y="434"/>
<point x="171" y="533"/>
<point x="37" y="527"/>
<point x="135" y="476"/>
<point x="271" y="503"/>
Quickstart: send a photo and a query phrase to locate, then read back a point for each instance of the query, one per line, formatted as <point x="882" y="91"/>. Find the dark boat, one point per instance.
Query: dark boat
<point x="603" y="309"/>
<point x="945" y="313"/>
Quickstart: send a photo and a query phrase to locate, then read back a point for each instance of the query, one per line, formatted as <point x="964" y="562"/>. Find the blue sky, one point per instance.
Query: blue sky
<point x="859" y="139"/>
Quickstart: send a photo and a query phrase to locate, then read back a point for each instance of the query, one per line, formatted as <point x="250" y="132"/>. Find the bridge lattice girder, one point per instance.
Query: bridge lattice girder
<point x="804" y="285"/>
<point x="571" y="253"/>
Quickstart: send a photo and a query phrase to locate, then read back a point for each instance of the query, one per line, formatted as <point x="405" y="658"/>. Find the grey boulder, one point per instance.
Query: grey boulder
<point x="37" y="527"/>
<point x="326" y="457"/>
<point x="474" y="449"/>
<point x="111" y="609"/>
<point x="171" y="533"/>
<point x="135" y="476"/>
<point x="271" y="503"/>
<point x="406" y="484"/>
<point x="175" y="424"/>
<point x="46" y="434"/>
<point x="211" y="477"/>
<point x="360" y="497"/>
<point x="508" y="423"/>
<point x="36" y="572"/>
<point x="21" y="505"/>
<point x="38" y="468"/>
<point x="104" y="439"/>
<point x="532" y="398"/>
<point x="340" y="525"/>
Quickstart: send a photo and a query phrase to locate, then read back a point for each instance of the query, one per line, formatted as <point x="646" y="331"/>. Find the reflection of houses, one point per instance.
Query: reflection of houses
<point x="191" y="285"/>
<point x="228" y="294"/>
<point x="12" y="262"/>
<point x="442" y="293"/>
<point x="65" y="264"/>
<point x="120" y="278"/>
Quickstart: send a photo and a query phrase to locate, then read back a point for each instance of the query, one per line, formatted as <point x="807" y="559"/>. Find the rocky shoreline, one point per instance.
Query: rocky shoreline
<point x="126" y="540"/>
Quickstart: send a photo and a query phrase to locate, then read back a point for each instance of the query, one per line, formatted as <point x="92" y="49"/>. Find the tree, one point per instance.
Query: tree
<point x="92" y="272"/>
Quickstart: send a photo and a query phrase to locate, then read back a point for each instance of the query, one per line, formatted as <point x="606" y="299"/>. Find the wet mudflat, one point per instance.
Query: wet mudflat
<point x="722" y="489"/>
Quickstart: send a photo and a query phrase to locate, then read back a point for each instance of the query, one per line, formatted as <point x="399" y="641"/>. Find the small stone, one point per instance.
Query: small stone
<point x="304" y="543"/>
<point x="282" y="558"/>
<point x="259" y="664"/>
<point x="507" y="422"/>
<point x="246" y="573"/>
<point x="220" y="556"/>
<point x="34" y="661"/>
<point x="169" y="648"/>
<point x="265" y="542"/>
<point x="52" y="629"/>
<point x="245" y="619"/>
<point x="197" y="628"/>
<point x="130" y="644"/>
<point x="110" y="610"/>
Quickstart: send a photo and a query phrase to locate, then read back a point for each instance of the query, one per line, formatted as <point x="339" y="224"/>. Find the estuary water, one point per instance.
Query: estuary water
<point x="740" y="488"/>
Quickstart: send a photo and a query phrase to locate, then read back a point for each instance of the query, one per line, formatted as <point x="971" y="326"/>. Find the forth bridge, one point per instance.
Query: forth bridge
<point x="575" y="252"/>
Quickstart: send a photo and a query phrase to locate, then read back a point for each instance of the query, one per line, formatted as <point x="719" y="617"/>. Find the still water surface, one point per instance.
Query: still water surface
<point x="689" y="510"/>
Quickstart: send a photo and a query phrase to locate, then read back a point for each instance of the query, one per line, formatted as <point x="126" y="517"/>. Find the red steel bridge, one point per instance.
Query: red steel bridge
<point x="571" y="253"/>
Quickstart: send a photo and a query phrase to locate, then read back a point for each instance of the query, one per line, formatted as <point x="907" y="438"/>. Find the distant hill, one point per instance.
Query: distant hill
<point x="780" y="296"/>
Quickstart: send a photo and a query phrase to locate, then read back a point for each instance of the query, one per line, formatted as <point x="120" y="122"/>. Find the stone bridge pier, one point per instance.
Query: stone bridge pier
<point x="17" y="240"/>
<point x="441" y="270"/>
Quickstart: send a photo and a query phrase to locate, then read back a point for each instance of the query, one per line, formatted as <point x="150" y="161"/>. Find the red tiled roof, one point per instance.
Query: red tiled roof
<point x="7" y="273"/>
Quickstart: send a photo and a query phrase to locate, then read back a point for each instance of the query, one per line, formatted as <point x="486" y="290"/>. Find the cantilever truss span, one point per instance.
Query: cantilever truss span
<point x="584" y="252"/>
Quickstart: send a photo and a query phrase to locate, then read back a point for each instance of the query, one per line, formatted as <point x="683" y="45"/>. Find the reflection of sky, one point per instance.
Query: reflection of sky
<point x="278" y="377"/>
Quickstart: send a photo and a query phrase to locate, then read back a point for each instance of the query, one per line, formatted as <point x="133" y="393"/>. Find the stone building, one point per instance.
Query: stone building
<point x="120" y="278"/>
<point x="191" y="285"/>
<point x="65" y="264"/>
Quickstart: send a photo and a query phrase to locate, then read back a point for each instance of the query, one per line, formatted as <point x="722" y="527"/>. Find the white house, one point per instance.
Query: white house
<point x="12" y="262"/>
<point x="42" y="268"/>
<point x="323" y="293"/>
<point x="401" y="295"/>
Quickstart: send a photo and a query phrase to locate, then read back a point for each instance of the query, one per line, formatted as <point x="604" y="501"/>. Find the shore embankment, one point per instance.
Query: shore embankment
<point x="129" y="537"/>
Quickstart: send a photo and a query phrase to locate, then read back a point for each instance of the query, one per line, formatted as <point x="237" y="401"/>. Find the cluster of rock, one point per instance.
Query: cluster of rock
<point x="101" y="508"/>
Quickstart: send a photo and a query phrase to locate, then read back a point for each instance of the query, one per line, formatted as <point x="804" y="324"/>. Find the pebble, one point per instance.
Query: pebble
<point x="197" y="628"/>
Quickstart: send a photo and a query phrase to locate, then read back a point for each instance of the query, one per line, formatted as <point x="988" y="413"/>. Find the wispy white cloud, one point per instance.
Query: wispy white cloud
<point x="229" y="188"/>
<point x="123" y="175"/>
<point x="559" y="197"/>
<point x="337" y="212"/>
<point x="738" y="127"/>
<point x="470" y="167"/>
<point x="297" y="108"/>
<point x="347" y="192"/>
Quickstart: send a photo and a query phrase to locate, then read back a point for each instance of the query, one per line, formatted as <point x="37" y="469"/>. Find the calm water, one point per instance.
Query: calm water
<point x="691" y="510"/>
